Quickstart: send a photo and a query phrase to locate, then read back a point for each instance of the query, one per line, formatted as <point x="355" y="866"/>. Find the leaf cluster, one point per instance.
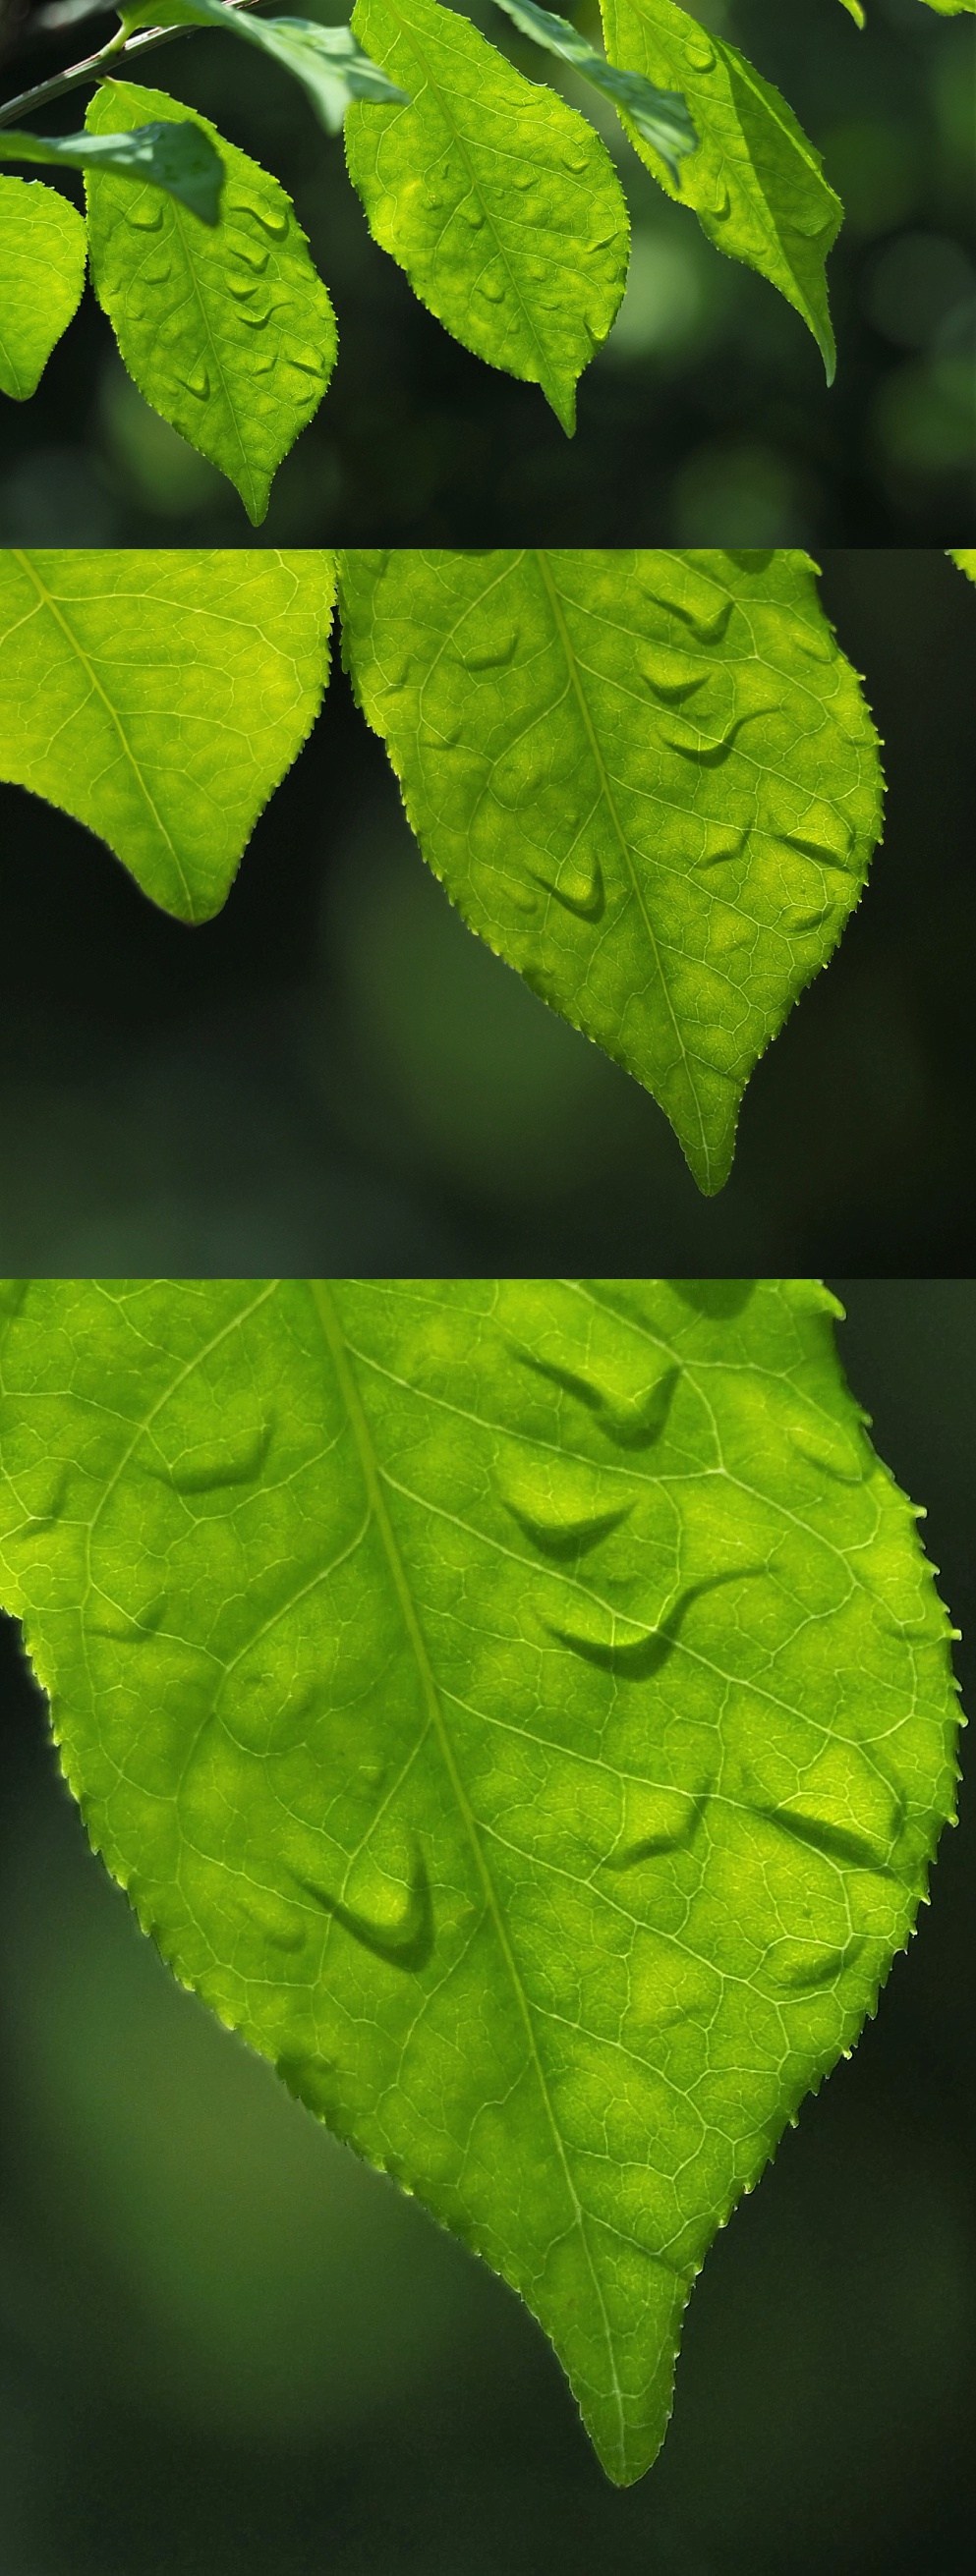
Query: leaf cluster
<point x="496" y="197"/>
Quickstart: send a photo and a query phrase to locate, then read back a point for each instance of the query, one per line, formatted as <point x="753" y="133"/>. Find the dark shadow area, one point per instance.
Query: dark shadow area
<point x="705" y="419"/>
<point x="226" y="2346"/>
<point x="335" y="1075"/>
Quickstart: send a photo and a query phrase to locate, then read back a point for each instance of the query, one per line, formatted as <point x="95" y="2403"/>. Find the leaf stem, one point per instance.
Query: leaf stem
<point x="15" y="109"/>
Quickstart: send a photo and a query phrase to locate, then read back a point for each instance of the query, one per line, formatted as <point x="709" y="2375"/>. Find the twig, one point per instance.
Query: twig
<point x="117" y="49"/>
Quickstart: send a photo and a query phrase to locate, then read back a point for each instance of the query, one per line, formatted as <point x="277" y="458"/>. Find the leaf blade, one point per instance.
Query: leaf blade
<point x="756" y="182"/>
<point x="230" y="334"/>
<point x="159" y="697"/>
<point x="43" y="254"/>
<point x="497" y="199"/>
<point x="661" y="116"/>
<point x="615" y="1937"/>
<point x="579" y="742"/>
<point x="178" y="158"/>
<point x="327" y="61"/>
<point x="965" y="558"/>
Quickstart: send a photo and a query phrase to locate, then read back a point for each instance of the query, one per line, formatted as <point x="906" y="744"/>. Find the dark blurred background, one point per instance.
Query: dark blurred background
<point x="705" y="420"/>
<point x="336" y="1076"/>
<point x="230" y="2350"/>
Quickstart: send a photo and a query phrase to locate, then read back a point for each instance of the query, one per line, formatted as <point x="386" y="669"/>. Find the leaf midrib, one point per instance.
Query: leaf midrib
<point x="606" y="791"/>
<point x="335" y="1339"/>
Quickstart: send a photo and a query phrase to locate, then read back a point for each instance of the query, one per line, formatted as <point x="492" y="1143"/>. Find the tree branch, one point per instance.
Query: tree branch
<point x="117" y="50"/>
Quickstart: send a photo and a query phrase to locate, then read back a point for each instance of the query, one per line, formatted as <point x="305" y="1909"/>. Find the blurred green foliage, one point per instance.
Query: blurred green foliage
<point x="226" y="2347"/>
<point x="703" y="420"/>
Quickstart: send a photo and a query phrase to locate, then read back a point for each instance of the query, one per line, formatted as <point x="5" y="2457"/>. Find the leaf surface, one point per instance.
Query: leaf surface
<point x="229" y="334"/>
<point x="660" y="115"/>
<point x="179" y="158"/>
<point x="42" y="273"/>
<point x="965" y="557"/>
<point x="160" y="697"/>
<point x="499" y="201"/>
<point x="327" y="61"/>
<point x="756" y="182"/>
<point x="521" y="1708"/>
<point x="647" y="779"/>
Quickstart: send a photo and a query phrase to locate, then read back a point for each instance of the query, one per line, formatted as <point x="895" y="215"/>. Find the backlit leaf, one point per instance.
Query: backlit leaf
<point x="755" y="182"/>
<point x="328" y="62"/>
<point x="179" y="158"/>
<point x="965" y="557"/>
<point x="647" y="779"/>
<point x="660" y="115"/>
<point x="42" y="272"/>
<point x="160" y="696"/>
<point x="498" y="200"/>
<point x="522" y="1709"/>
<point x="229" y="334"/>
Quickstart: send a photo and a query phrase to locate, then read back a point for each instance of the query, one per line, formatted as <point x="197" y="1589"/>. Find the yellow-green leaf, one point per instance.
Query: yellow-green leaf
<point x="756" y="182"/>
<point x="498" y="200"/>
<point x="648" y="779"/>
<point x="42" y="272"/>
<point x="228" y="333"/>
<point x="160" y="696"/>
<point x="522" y="1709"/>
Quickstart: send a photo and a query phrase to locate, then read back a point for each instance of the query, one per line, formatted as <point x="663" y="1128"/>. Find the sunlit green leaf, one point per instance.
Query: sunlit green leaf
<point x="647" y="779"/>
<point x="159" y="697"/>
<point x="755" y="182"/>
<point x="179" y="158"/>
<point x="660" y="115"/>
<point x="498" y="200"/>
<point x="229" y="334"/>
<point x="328" y="62"/>
<point x="42" y="272"/>
<point x="965" y="557"/>
<point x="522" y="1709"/>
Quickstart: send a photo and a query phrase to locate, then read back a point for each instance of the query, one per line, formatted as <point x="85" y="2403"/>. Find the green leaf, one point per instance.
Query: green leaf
<point x="647" y="779"/>
<point x="328" y="62"/>
<point x="953" y="8"/>
<point x="179" y="158"/>
<point x="498" y="200"/>
<point x="965" y="557"/>
<point x="659" y="114"/>
<point x="42" y="272"/>
<point x="854" y="10"/>
<point x="160" y="697"/>
<point x="756" y="182"/>
<point x="522" y="1709"/>
<point x="229" y="334"/>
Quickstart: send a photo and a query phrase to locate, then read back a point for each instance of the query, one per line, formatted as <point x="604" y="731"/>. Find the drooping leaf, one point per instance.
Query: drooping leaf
<point x="328" y="62"/>
<point x="965" y="557"/>
<point x="160" y="697"/>
<point x="229" y="334"/>
<point x="659" y="114"/>
<point x="179" y="158"/>
<point x="498" y="200"/>
<point x="854" y="10"/>
<point x="522" y="1709"/>
<point x="42" y="271"/>
<point x="953" y="8"/>
<point x="756" y="182"/>
<point x="647" y="779"/>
